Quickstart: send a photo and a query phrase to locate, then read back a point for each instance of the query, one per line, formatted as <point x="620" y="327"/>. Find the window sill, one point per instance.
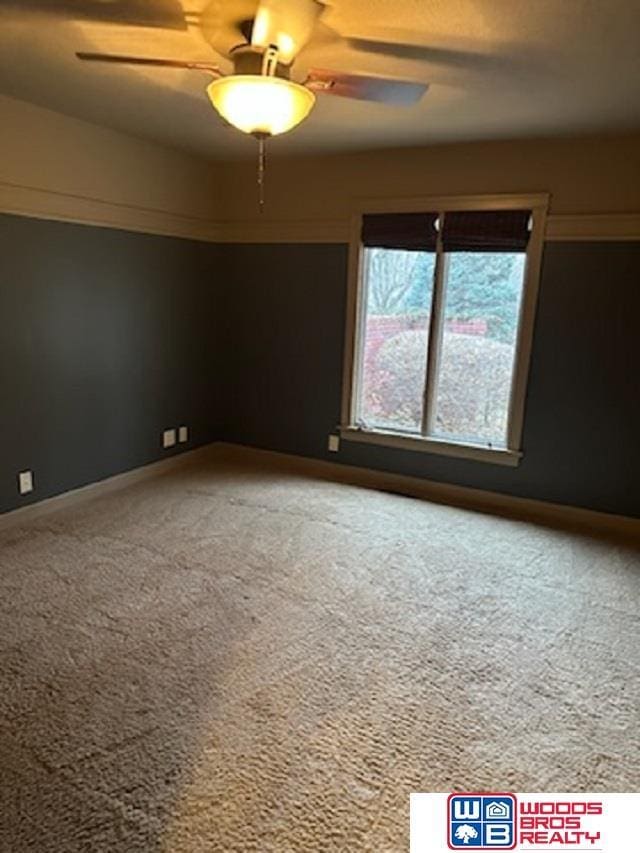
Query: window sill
<point x="475" y="452"/>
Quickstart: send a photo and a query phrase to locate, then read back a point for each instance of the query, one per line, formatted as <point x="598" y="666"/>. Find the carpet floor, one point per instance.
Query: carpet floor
<point x="237" y="657"/>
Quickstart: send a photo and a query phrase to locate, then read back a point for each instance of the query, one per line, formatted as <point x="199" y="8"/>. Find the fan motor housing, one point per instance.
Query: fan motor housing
<point x="248" y="59"/>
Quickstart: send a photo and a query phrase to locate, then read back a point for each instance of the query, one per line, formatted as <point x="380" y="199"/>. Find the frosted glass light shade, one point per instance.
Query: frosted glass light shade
<point x="259" y="104"/>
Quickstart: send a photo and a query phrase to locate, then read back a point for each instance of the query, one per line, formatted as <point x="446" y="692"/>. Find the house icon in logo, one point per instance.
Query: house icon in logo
<point x="497" y="810"/>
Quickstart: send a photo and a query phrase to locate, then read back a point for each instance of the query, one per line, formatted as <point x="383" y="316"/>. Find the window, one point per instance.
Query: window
<point x="441" y="322"/>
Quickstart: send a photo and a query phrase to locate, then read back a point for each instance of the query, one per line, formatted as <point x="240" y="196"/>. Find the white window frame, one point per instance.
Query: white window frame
<point x="537" y="203"/>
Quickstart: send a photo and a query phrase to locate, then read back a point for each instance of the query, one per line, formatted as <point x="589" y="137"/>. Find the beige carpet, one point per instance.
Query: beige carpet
<point x="234" y="658"/>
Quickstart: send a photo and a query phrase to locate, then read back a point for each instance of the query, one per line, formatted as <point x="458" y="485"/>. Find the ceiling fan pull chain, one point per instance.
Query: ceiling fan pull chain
<point x="262" y="160"/>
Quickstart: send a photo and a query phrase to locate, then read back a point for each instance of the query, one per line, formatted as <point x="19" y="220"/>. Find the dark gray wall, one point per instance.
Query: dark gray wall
<point x="107" y="338"/>
<point x="285" y="314"/>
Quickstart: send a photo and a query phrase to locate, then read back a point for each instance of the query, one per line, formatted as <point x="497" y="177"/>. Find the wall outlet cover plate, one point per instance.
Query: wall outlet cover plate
<point x="183" y="434"/>
<point x="168" y="438"/>
<point x="25" y="482"/>
<point x="334" y="443"/>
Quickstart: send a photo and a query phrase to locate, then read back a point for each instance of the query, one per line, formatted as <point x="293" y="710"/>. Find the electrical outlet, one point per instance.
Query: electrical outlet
<point x="334" y="443"/>
<point x="25" y="482"/>
<point x="183" y="434"/>
<point x="168" y="438"/>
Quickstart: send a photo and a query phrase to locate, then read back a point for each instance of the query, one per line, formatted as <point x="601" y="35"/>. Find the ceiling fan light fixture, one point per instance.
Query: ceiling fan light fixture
<point x="259" y="104"/>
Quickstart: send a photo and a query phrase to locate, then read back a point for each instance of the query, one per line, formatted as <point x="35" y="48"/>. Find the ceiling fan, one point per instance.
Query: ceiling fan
<point x="260" y="97"/>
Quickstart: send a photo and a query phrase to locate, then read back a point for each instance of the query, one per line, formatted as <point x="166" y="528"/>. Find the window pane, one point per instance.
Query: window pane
<point x="393" y="338"/>
<point x="481" y="310"/>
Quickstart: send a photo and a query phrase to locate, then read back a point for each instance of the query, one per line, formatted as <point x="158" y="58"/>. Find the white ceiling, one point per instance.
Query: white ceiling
<point x="497" y="69"/>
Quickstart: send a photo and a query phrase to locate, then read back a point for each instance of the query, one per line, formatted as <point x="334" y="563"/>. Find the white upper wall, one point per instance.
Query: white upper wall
<point x="55" y="166"/>
<point x="585" y="175"/>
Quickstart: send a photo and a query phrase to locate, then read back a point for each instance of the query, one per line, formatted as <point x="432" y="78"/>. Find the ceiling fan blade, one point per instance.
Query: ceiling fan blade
<point x="164" y="14"/>
<point x="287" y="24"/>
<point x="365" y="88"/>
<point x="424" y="53"/>
<point x="114" y="59"/>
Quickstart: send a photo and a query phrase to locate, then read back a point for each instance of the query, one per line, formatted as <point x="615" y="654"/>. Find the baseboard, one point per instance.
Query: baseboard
<point x="100" y="487"/>
<point x="494" y="503"/>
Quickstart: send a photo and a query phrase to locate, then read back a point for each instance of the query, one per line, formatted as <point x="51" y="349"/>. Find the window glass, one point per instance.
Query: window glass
<point x="394" y="338"/>
<point x="482" y="295"/>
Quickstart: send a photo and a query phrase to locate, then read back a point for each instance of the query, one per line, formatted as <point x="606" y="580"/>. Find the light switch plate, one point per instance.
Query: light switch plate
<point x="25" y="482"/>
<point x="168" y="438"/>
<point x="183" y="434"/>
<point x="334" y="443"/>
